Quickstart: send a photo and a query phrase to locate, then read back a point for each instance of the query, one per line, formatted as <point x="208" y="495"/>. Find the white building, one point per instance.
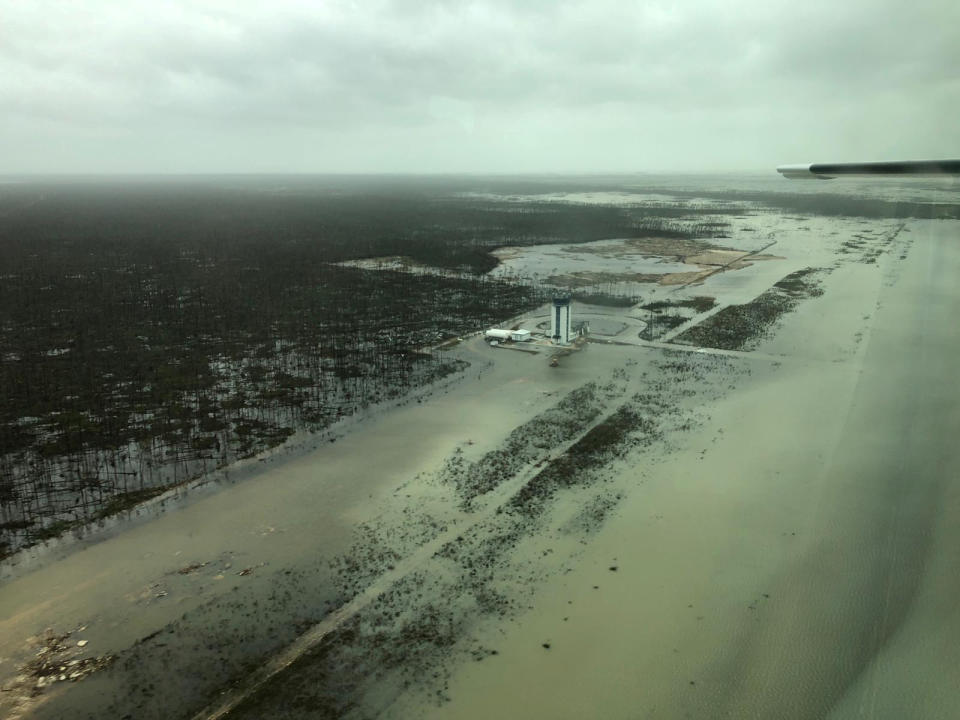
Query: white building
<point x="496" y="334"/>
<point x="515" y="335"/>
<point x="560" y="331"/>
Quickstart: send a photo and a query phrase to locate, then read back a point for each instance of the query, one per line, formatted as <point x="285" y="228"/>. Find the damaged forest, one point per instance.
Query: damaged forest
<point x="155" y="330"/>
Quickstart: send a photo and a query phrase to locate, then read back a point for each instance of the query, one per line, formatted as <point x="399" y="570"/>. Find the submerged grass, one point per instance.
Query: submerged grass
<point x="739" y="327"/>
<point x="528" y="443"/>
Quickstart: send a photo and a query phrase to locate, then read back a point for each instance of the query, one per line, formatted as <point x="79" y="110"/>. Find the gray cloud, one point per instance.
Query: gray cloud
<point x="461" y="86"/>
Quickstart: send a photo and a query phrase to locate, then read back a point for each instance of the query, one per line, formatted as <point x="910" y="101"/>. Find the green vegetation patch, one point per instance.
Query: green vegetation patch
<point x="527" y="443"/>
<point x="605" y="299"/>
<point x="700" y="303"/>
<point x="739" y="327"/>
<point x="598" y="446"/>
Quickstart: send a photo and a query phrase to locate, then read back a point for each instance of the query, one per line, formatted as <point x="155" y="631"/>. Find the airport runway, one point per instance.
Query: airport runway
<point x="804" y="567"/>
<point x="793" y="555"/>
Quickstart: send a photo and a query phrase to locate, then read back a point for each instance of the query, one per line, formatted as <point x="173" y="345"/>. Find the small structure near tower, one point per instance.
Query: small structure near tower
<point x="497" y="334"/>
<point x="560" y="329"/>
<point x="518" y="335"/>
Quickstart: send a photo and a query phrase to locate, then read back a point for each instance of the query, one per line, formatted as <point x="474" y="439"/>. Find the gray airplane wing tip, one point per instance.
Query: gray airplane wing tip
<point x="900" y="167"/>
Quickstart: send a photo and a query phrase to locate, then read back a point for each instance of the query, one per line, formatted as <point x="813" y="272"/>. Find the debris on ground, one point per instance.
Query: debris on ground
<point x="56" y="660"/>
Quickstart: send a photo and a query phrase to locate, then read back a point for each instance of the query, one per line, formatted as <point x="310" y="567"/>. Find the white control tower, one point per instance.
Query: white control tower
<point x="560" y="321"/>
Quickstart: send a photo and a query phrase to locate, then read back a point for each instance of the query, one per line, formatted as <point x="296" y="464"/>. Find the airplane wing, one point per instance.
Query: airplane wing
<point x="827" y="171"/>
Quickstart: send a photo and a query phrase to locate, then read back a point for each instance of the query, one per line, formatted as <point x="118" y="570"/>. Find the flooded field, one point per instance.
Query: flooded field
<point x="778" y="564"/>
<point x="750" y="513"/>
<point x="624" y="267"/>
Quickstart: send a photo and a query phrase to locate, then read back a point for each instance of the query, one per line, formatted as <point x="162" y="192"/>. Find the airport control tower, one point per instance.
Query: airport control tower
<point x="560" y="321"/>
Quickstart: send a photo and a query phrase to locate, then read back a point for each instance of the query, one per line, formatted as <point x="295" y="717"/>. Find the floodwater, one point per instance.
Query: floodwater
<point x="285" y="526"/>
<point x="603" y="256"/>
<point x="795" y="558"/>
<point x="786" y="547"/>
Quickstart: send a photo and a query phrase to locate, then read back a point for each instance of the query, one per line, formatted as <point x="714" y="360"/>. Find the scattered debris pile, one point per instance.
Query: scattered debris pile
<point x="58" y="659"/>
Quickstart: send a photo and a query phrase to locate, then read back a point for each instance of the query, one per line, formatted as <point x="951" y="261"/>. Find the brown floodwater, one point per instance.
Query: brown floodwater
<point x="782" y="544"/>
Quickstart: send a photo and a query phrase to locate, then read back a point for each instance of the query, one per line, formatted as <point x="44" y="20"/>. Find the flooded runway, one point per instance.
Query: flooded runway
<point x="795" y="566"/>
<point x="638" y="533"/>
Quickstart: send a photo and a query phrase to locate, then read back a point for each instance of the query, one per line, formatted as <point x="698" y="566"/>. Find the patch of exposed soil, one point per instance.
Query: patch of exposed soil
<point x="686" y="278"/>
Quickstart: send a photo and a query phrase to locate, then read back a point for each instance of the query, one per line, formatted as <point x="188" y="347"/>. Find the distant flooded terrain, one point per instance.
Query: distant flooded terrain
<point x="258" y="458"/>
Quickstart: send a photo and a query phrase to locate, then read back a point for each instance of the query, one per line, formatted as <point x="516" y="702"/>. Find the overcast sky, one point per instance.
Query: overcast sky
<point x="490" y="86"/>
